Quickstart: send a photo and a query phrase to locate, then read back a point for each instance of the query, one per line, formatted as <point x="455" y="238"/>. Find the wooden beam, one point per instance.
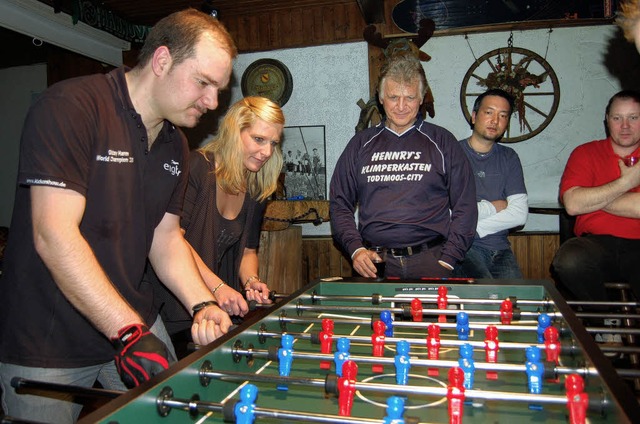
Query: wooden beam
<point x="372" y="11"/>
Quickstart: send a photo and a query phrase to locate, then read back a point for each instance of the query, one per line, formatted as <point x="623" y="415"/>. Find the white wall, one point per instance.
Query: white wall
<point x="18" y="85"/>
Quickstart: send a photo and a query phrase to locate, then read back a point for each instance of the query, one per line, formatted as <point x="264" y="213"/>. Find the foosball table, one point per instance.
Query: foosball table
<point x="437" y="351"/>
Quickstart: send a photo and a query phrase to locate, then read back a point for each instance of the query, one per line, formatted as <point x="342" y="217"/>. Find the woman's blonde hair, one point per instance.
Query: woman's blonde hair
<point x="628" y="17"/>
<point x="231" y="174"/>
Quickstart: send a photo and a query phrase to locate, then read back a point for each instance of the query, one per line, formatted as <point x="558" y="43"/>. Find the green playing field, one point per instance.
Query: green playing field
<point x="215" y="374"/>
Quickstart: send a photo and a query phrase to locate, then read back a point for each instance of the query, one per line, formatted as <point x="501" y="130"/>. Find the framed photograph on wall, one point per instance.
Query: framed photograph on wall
<point x="305" y="167"/>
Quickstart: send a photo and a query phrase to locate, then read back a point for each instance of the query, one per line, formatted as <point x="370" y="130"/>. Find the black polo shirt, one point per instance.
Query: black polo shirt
<point x="84" y="134"/>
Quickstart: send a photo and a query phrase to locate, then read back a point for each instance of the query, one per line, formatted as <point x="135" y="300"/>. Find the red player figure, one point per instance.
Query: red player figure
<point x="506" y="312"/>
<point x="491" y="348"/>
<point x="577" y="399"/>
<point x="433" y="347"/>
<point x="551" y="344"/>
<point x="442" y="302"/>
<point x="416" y="310"/>
<point x="377" y="343"/>
<point x="347" y="388"/>
<point x="326" y="341"/>
<point x="455" y="395"/>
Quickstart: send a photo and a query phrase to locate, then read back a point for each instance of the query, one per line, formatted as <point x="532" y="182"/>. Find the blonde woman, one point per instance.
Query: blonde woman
<point x="230" y="179"/>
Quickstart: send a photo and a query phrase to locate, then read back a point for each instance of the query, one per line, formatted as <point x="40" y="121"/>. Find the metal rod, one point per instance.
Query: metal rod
<point x="411" y="324"/>
<point x="409" y="389"/>
<point x="613" y="330"/>
<point x="620" y="315"/>
<point x="375" y="298"/>
<point x="369" y="310"/>
<point x="601" y="304"/>
<point x="416" y="341"/>
<point x="432" y="363"/>
<point x="202" y="406"/>
<point x="247" y="376"/>
<point x="23" y="383"/>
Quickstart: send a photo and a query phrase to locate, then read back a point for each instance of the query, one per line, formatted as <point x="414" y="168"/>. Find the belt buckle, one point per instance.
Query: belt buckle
<point x="409" y="251"/>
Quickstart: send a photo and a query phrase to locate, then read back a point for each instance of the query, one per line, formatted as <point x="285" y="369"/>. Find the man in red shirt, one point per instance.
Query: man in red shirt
<point x="601" y="187"/>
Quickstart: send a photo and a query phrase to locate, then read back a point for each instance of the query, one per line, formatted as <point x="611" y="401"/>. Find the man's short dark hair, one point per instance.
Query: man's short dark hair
<point x="180" y="32"/>
<point x="494" y="92"/>
<point x="624" y="94"/>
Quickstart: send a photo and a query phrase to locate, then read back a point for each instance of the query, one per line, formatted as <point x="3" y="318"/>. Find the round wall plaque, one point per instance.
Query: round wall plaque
<point x="268" y="78"/>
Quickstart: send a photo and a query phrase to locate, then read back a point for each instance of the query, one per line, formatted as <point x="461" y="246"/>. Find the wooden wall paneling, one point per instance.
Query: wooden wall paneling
<point x="324" y="259"/>
<point x="518" y="246"/>
<point x="232" y="24"/>
<point x="318" y="31"/>
<point x="550" y="245"/>
<point x="308" y="22"/>
<point x="291" y="28"/>
<point x="248" y="26"/>
<point x="263" y="32"/>
<point x="536" y="259"/>
<point x="354" y="22"/>
<point x="280" y="258"/>
<point x="328" y="25"/>
<point x="340" y="23"/>
<point x="312" y="250"/>
<point x="326" y="267"/>
<point x="273" y="20"/>
<point x="296" y="27"/>
<point x="309" y="265"/>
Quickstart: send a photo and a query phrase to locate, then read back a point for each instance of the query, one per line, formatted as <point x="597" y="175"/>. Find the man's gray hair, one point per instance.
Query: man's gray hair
<point x="404" y="69"/>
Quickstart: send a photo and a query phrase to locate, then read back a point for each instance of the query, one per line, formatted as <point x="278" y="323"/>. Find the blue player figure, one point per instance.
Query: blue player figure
<point x="385" y="316"/>
<point x="402" y="362"/>
<point x="462" y="325"/>
<point x="544" y="322"/>
<point x="342" y="354"/>
<point x="395" y="410"/>
<point x="285" y="358"/>
<point x="466" y="363"/>
<point x="534" y="369"/>
<point x="244" y="409"/>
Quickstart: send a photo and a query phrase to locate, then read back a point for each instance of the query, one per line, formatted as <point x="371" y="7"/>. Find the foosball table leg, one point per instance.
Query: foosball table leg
<point x="631" y="339"/>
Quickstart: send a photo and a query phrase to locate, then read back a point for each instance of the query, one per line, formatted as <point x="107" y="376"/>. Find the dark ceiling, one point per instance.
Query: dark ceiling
<point x="148" y="12"/>
<point x="17" y="49"/>
<point x="446" y="13"/>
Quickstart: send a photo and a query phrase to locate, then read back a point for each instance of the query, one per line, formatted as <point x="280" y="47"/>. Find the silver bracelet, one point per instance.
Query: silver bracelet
<point x="216" y="289"/>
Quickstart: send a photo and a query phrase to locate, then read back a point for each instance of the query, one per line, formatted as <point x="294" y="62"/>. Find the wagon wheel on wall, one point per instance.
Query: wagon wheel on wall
<point x="525" y="75"/>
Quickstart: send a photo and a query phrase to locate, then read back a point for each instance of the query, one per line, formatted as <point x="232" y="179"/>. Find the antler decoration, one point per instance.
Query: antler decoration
<point x="373" y="37"/>
<point x="427" y="27"/>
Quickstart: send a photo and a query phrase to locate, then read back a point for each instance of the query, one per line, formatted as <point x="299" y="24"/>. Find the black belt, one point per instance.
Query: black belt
<point x="414" y="250"/>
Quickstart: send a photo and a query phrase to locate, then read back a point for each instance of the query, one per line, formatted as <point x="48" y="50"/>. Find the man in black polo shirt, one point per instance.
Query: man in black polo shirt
<point x="101" y="184"/>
